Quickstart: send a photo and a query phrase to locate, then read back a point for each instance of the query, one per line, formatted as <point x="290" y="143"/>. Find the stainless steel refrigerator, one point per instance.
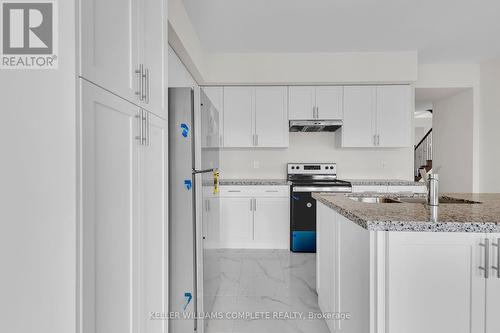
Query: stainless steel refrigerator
<point x="194" y="158"/>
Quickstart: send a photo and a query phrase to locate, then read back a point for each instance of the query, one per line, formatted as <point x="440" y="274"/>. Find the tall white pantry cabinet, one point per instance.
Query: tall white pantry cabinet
<point x="123" y="230"/>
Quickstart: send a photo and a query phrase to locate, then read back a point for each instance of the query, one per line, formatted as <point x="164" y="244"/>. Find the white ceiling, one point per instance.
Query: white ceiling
<point x="442" y="31"/>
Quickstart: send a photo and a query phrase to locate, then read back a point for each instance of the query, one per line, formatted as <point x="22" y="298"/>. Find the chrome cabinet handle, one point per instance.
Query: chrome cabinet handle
<point x="146" y="86"/>
<point x="314" y="112"/>
<point x="497" y="267"/>
<point x="254" y="205"/>
<point x="139" y="72"/>
<point x="251" y="205"/>
<point x="486" y="267"/>
<point x="378" y="139"/>
<point x="375" y="139"/>
<point x="141" y="128"/>
<point x="317" y="112"/>
<point x="256" y="140"/>
<point x="234" y="191"/>
<point x="147" y="136"/>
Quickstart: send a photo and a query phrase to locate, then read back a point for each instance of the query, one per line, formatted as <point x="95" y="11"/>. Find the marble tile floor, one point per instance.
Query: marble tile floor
<point x="266" y="281"/>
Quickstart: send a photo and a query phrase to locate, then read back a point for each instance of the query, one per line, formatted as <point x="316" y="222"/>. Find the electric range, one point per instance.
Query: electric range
<point x="307" y="178"/>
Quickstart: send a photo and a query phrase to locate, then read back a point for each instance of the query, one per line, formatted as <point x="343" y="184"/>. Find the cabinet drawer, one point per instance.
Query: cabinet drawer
<point x="255" y="191"/>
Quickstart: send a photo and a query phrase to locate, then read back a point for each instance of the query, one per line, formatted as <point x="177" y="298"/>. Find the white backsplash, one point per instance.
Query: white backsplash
<point x="364" y="163"/>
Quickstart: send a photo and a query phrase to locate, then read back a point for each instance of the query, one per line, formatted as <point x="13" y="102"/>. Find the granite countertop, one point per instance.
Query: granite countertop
<point x="250" y="182"/>
<point x="384" y="182"/>
<point x="483" y="217"/>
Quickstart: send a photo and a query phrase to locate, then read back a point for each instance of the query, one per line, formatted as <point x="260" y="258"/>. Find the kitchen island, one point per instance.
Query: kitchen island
<point x="399" y="265"/>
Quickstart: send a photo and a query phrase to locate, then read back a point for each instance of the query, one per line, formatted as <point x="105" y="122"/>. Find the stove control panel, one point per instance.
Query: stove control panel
<point x="312" y="168"/>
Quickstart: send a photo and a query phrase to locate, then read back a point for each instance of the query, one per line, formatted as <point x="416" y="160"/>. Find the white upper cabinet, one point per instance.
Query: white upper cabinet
<point x="216" y="98"/>
<point x="315" y="102"/>
<point x="124" y="49"/>
<point x="109" y="45"/>
<point x="255" y="117"/>
<point x="329" y="102"/>
<point x="153" y="55"/>
<point x="359" y="116"/>
<point x="271" y="117"/>
<point x="377" y="116"/>
<point x="394" y="116"/>
<point x="238" y="117"/>
<point x="302" y="102"/>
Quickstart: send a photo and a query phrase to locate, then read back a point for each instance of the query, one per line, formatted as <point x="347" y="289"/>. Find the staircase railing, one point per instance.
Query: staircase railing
<point x="423" y="152"/>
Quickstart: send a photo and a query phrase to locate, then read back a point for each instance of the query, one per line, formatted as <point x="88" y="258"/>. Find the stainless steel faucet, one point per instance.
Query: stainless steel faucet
<point x="433" y="189"/>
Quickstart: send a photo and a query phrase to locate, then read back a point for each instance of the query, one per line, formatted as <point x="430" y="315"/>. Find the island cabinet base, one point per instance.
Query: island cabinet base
<point x="408" y="282"/>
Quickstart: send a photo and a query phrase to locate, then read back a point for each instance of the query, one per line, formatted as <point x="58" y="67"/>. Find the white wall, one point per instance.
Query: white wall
<point x="38" y="192"/>
<point x="453" y="142"/>
<point x="318" y="147"/>
<point x="458" y="76"/>
<point x="490" y="126"/>
<point x="310" y="68"/>
<point x="178" y="75"/>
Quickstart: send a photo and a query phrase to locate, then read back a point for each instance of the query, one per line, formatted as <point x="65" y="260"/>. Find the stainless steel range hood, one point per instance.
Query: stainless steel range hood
<point x="315" y="125"/>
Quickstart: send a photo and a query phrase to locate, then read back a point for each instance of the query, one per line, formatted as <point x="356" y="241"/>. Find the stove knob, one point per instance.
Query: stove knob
<point x="293" y="167"/>
<point x="331" y="168"/>
<point x="297" y="167"/>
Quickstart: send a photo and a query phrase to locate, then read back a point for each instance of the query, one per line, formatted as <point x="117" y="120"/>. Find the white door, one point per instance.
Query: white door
<point x="435" y="284"/>
<point x="236" y="228"/>
<point x="493" y="288"/>
<point x="152" y="229"/>
<point x="271" y="117"/>
<point x="110" y="211"/>
<point x="394" y="116"/>
<point x="238" y="117"/>
<point x="272" y="223"/>
<point x="216" y="97"/>
<point x="301" y="102"/>
<point x="109" y="45"/>
<point x="154" y="45"/>
<point x="329" y="102"/>
<point x="359" y="116"/>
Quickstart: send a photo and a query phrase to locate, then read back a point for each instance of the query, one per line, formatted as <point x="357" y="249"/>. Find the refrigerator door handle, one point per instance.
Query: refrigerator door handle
<point x="195" y="172"/>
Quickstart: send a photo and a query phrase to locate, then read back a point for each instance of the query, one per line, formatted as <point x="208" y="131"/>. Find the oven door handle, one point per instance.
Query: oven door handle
<point x="332" y="189"/>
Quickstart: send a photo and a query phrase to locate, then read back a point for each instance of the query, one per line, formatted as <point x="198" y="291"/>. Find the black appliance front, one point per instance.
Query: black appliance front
<point x="302" y="222"/>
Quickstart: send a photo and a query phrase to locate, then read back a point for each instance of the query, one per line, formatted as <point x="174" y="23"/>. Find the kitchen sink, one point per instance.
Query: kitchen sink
<point x="442" y="200"/>
<point x="374" y="200"/>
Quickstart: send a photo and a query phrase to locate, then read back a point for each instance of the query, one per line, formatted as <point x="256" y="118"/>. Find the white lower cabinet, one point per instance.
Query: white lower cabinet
<point x="236" y="222"/>
<point x="406" y="281"/>
<point x="255" y="217"/>
<point x="493" y="287"/>
<point x="434" y="282"/>
<point x="123" y="274"/>
<point x="271" y="222"/>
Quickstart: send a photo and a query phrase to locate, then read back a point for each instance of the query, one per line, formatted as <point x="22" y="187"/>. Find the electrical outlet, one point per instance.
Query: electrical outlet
<point x="256" y="164"/>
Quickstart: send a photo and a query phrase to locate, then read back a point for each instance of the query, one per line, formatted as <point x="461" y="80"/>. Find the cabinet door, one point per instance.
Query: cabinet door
<point x="329" y="102"/>
<point x="359" y="116"/>
<point x="301" y="101"/>
<point x="326" y="254"/>
<point x="236" y="222"/>
<point x="272" y="223"/>
<point x="154" y="44"/>
<point x="152" y="229"/>
<point x="352" y="272"/>
<point x="216" y="97"/>
<point x="271" y="117"/>
<point x="238" y="116"/>
<point x="109" y="211"/>
<point x="394" y="116"/>
<point x="109" y="45"/>
<point x="493" y="288"/>
<point x="435" y="284"/>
